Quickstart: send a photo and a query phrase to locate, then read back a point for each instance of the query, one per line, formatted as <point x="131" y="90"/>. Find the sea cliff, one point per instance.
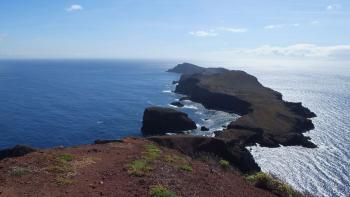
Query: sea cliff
<point x="265" y="117"/>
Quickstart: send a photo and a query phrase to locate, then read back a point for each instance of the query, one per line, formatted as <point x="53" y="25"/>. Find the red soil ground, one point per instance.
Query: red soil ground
<point x="104" y="170"/>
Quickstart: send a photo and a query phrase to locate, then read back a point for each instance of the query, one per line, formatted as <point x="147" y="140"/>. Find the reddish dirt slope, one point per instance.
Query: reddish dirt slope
<point x="104" y="170"/>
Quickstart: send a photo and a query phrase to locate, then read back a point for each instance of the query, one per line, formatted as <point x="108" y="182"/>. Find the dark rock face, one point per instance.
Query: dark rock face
<point x="238" y="156"/>
<point x="160" y="120"/>
<point x="203" y="128"/>
<point x="211" y="100"/>
<point x="17" y="151"/>
<point x="177" y="104"/>
<point x="266" y="118"/>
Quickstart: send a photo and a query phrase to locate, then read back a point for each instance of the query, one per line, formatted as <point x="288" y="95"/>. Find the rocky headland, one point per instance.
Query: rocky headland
<point x="265" y="117"/>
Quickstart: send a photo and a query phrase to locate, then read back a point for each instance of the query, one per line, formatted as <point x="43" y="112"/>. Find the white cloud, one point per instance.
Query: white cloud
<point x="315" y="22"/>
<point x="234" y="30"/>
<point x="273" y="26"/>
<point x="74" y="8"/>
<point x="279" y="26"/>
<point x="202" y="33"/>
<point x="304" y="50"/>
<point x="334" y="7"/>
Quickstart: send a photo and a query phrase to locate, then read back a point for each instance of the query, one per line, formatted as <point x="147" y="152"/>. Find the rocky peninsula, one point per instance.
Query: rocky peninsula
<point x="265" y="117"/>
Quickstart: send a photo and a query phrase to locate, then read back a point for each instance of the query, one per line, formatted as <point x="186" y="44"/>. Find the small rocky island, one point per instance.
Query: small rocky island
<point x="160" y="120"/>
<point x="265" y="117"/>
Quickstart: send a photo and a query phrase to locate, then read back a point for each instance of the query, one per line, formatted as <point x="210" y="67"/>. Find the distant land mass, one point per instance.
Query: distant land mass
<point x="265" y="117"/>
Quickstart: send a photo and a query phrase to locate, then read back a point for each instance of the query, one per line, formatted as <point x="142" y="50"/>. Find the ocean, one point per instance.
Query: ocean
<point x="48" y="103"/>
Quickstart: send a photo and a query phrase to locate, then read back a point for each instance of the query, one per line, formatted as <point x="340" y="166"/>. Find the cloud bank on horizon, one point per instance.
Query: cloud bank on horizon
<point x="246" y="32"/>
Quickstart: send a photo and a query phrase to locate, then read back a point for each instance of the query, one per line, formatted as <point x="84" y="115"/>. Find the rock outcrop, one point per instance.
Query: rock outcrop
<point x="265" y="117"/>
<point x="203" y="128"/>
<point x="17" y="151"/>
<point x="238" y="156"/>
<point x="160" y="120"/>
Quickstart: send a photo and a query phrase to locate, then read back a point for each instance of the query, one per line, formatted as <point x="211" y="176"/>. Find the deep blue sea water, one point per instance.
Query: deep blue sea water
<point x="46" y="103"/>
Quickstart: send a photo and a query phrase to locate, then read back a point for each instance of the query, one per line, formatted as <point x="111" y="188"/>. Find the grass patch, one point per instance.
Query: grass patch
<point x="63" y="180"/>
<point x="152" y="152"/>
<point x="276" y="186"/>
<point x="172" y="158"/>
<point x="18" y="171"/>
<point x="186" y="167"/>
<point x="161" y="191"/>
<point x="139" y="167"/>
<point x="63" y="169"/>
<point x="224" y="164"/>
<point x="178" y="162"/>
<point x="66" y="157"/>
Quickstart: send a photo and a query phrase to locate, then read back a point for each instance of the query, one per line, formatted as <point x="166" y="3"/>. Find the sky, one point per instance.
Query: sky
<point x="271" y="32"/>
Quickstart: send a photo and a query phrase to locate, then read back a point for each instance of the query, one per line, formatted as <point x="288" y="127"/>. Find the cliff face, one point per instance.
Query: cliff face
<point x="266" y="118"/>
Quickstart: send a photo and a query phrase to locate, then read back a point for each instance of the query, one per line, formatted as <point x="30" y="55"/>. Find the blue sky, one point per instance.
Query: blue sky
<point x="247" y="32"/>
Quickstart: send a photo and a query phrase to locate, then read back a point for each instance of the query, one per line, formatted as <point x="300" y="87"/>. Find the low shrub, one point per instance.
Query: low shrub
<point x="63" y="169"/>
<point x="224" y="164"/>
<point x="186" y="167"/>
<point x="18" y="171"/>
<point x="152" y="152"/>
<point x="276" y="186"/>
<point x="161" y="191"/>
<point x="139" y="167"/>
<point x="65" y="157"/>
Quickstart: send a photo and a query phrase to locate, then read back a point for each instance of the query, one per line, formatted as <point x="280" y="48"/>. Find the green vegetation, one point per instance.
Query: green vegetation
<point x="224" y="164"/>
<point x="18" y="171"/>
<point x="179" y="162"/>
<point x="172" y="158"/>
<point x="161" y="191"/>
<point x="61" y="164"/>
<point x="63" y="168"/>
<point x="186" y="167"/>
<point x="66" y="157"/>
<point x="63" y="180"/>
<point x="140" y="166"/>
<point x="267" y="182"/>
<point x="152" y="152"/>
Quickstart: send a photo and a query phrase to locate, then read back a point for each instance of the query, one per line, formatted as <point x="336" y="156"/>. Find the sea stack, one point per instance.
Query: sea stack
<point x="161" y="120"/>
